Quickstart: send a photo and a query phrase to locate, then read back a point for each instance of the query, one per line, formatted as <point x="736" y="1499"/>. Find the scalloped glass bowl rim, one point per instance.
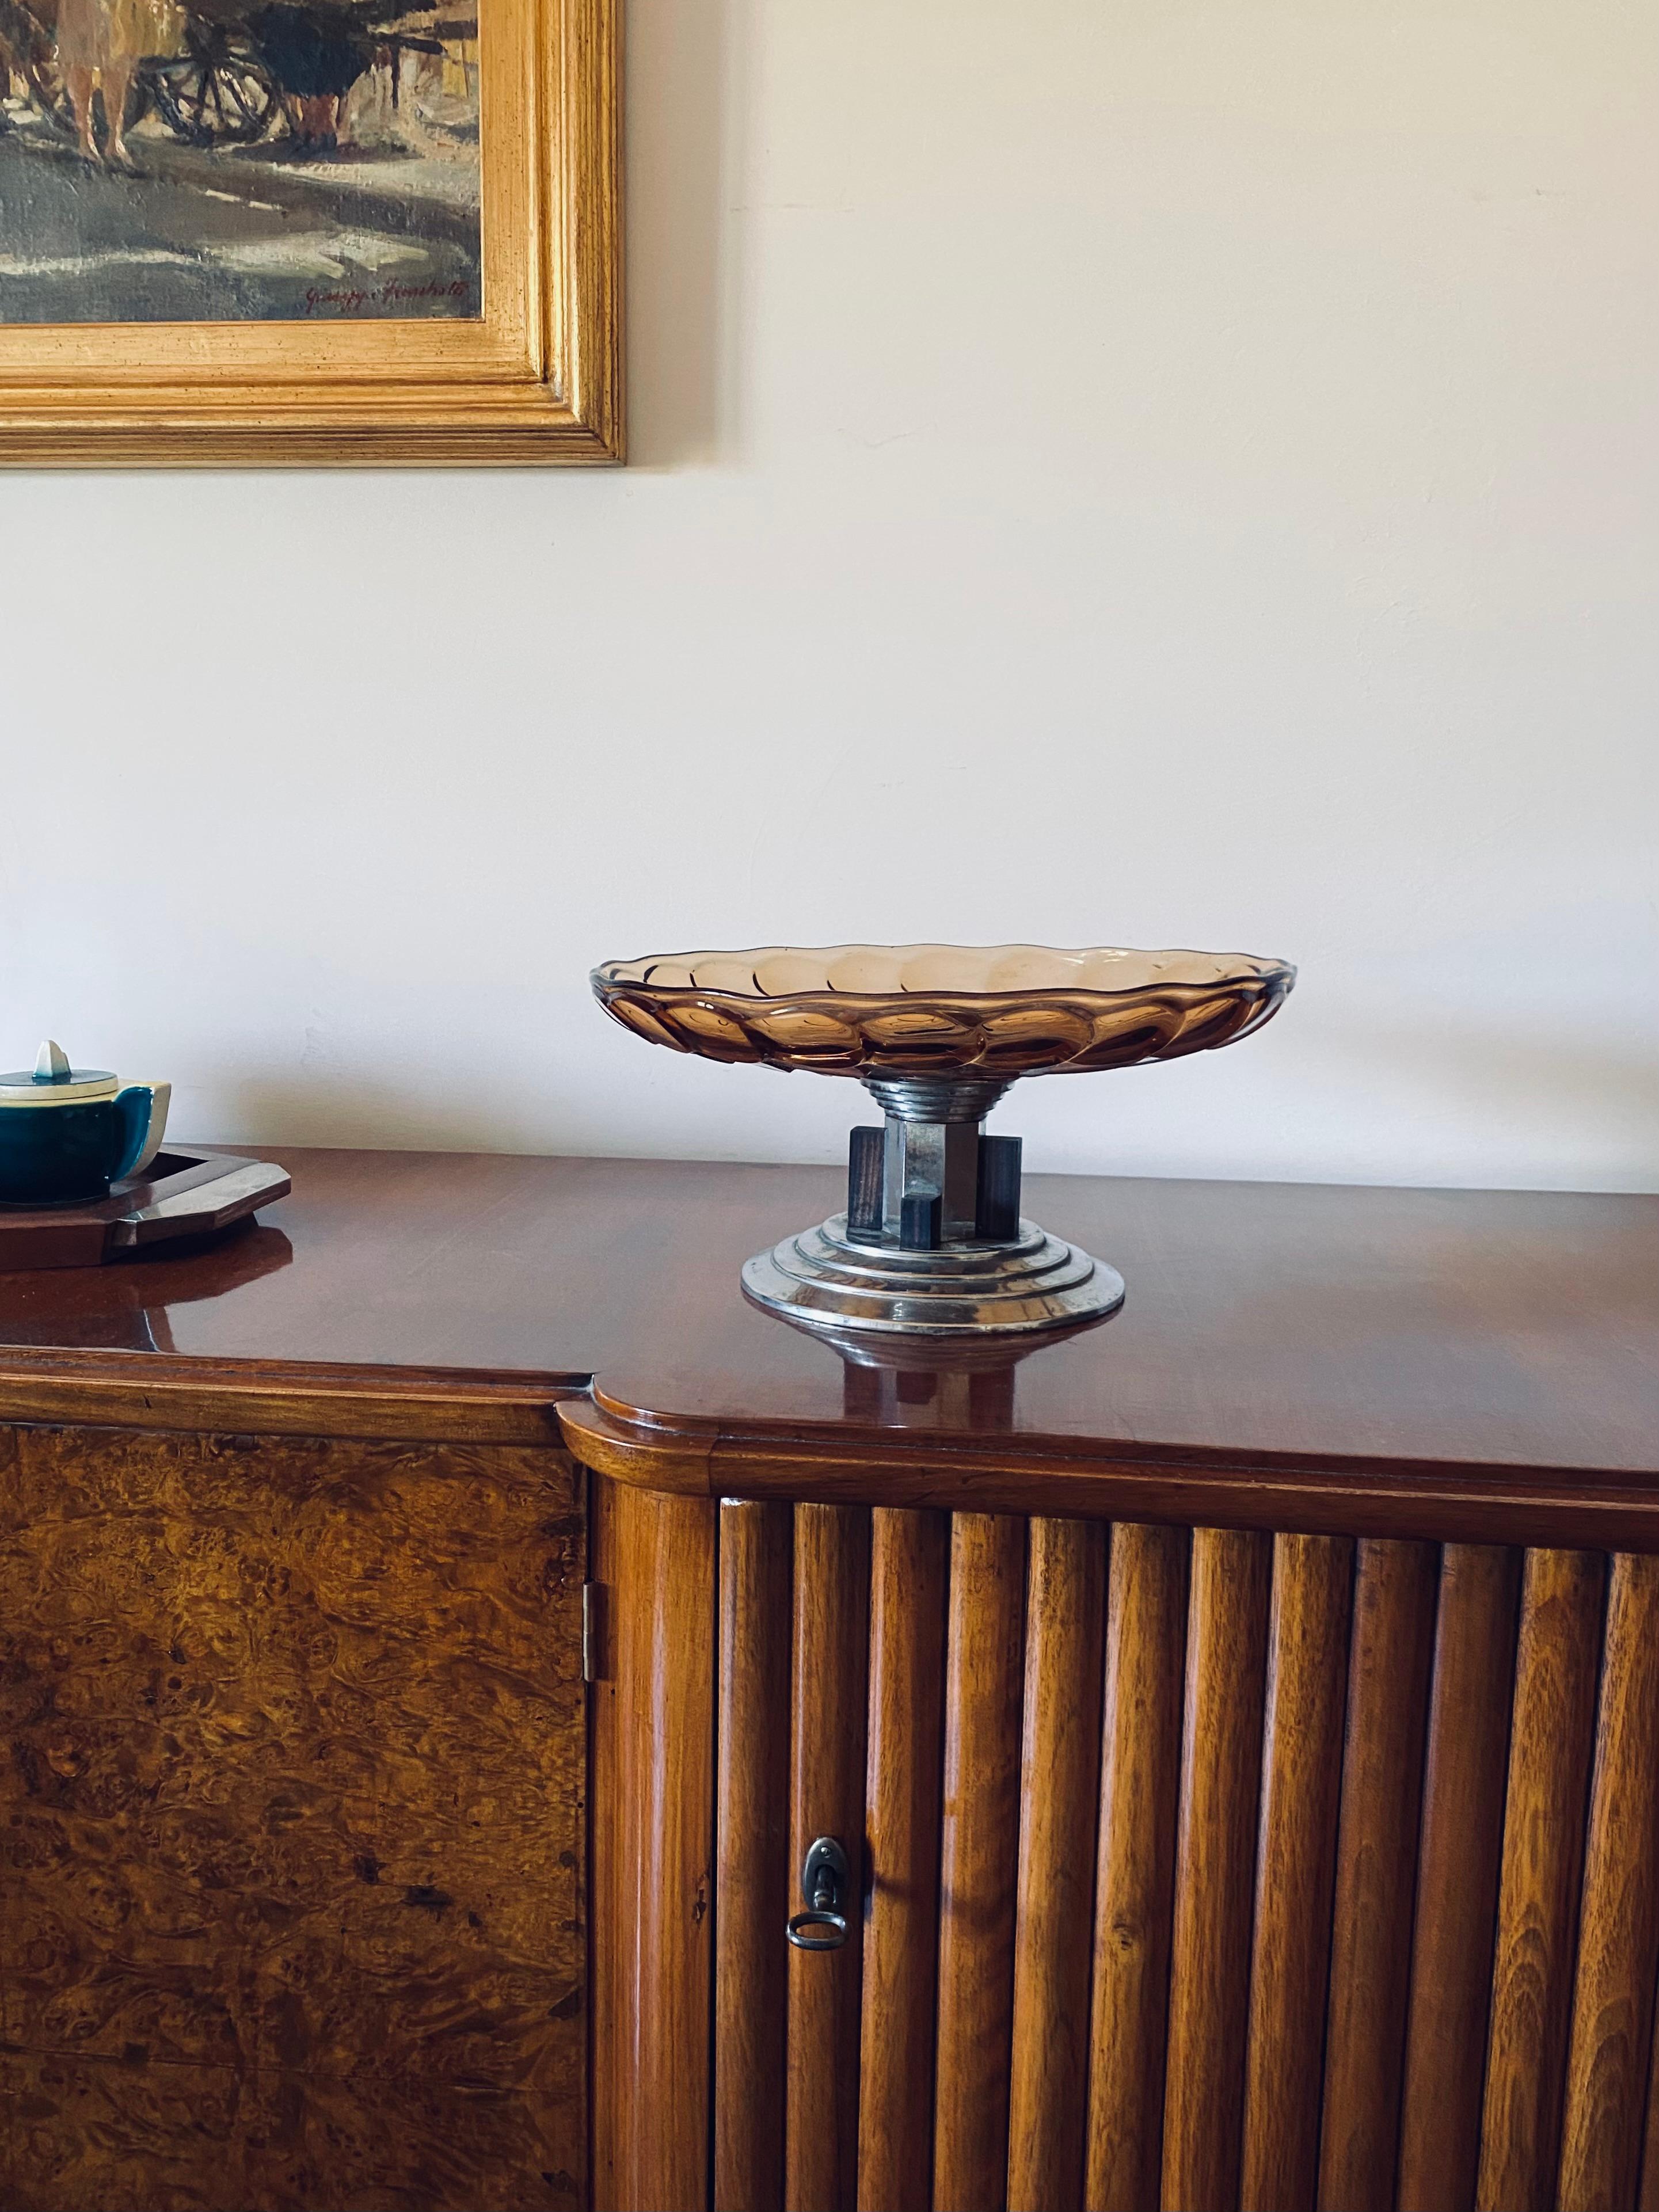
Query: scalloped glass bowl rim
<point x="1152" y="971"/>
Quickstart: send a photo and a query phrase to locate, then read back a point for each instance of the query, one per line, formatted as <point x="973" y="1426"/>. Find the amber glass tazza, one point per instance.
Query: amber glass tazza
<point x="931" y="1242"/>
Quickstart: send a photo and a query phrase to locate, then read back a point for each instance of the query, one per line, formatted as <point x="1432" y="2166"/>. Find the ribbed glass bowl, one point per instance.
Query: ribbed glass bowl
<point x="912" y="1010"/>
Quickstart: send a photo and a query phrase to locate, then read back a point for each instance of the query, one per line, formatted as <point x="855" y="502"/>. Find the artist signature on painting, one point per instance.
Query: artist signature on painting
<point x="352" y="299"/>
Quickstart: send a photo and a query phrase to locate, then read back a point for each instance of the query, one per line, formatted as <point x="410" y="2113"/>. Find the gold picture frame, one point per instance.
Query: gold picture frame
<point x="535" y="378"/>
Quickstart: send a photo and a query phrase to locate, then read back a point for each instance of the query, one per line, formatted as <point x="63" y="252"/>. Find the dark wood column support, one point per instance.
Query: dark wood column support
<point x="1388" y="1666"/>
<point x="752" y="1856"/>
<point x="1550" y="1745"/>
<point x="1060" y="1796"/>
<point x="829" y="1688"/>
<point x="979" y="1861"/>
<point x="1215" y="1868"/>
<point x="1139" y="1791"/>
<point x="1296" y="1869"/>
<point x="1619" y="1915"/>
<point x="656" y="1829"/>
<point x="909" y="1555"/>
<point x="1457" y="1874"/>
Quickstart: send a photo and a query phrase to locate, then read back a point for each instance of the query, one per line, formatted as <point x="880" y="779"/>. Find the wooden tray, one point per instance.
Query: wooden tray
<point x="181" y="1193"/>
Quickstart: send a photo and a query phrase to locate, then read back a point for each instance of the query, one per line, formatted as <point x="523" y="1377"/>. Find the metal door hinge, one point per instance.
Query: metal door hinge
<point x="593" y="1620"/>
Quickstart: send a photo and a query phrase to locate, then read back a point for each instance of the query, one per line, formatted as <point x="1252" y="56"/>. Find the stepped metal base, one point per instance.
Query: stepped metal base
<point x="827" y="1280"/>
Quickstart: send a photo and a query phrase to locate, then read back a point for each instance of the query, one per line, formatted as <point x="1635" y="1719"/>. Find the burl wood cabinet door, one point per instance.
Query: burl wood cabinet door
<point x="1193" y="1869"/>
<point x="292" y="1819"/>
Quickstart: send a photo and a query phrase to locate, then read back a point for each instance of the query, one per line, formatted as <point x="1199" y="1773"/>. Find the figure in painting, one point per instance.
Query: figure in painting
<point x="316" y="53"/>
<point x="100" y="44"/>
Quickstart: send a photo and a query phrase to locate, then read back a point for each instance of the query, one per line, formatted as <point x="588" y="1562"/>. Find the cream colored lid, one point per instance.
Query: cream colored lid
<point x="54" y="1082"/>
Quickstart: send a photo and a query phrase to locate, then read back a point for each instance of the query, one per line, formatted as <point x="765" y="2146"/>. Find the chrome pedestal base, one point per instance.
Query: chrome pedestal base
<point x="825" y="1279"/>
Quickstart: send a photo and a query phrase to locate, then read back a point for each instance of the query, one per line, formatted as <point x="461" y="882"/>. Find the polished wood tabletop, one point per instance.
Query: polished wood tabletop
<point x="1263" y="1321"/>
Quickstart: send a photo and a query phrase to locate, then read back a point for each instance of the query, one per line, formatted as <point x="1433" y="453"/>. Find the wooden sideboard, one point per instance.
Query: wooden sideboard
<point x="1241" y="1719"/>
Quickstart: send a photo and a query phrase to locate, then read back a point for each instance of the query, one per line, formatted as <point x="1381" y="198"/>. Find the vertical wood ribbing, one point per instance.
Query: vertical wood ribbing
<point x="979" y="1862"/>
<point x="1139" y="1784"/>
<point x="829" y="1676"/>
<point x="665" y="1562"/>
<point x="1619" y="1916"/>
<point x="1060" y="1799"/>
<point x="609" y="2181"/>
<point x="751" y="1833"/>
<point x="1647" y="2195"/>
<point x="1220" y="1773"/>
<point x="1550" y="1737"/>
<point x="1457" y="1877"/>
<point x="1389" y="1665"/>
<point x="907" y="1576"/>
<point x="1295" y="1867"/>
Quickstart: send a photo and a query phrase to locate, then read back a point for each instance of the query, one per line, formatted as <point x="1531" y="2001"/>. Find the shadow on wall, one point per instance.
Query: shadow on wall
<point x="1611" y="1095"/>
<point x="685" y="108"/>
<point x="1543" y="1079"/>
<point x="371" y="1117"/>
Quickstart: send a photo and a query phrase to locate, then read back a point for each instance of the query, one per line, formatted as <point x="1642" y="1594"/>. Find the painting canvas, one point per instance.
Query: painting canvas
<point x="318" y="233"/>
<point x="228" y="161"/>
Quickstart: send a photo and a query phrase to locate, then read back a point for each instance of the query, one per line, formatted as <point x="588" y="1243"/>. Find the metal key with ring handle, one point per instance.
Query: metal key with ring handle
<point x="823" y="1883"/>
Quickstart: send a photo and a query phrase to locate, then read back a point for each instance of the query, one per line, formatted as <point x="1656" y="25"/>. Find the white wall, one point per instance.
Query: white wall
<point x="1104" y="470"/>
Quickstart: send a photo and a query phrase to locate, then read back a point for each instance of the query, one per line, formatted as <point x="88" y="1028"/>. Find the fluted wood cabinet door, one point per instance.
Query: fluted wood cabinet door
<point x="1195" y="1870"/>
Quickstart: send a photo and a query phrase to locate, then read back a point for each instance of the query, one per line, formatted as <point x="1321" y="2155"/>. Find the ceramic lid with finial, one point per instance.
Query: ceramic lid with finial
<point x="53" y="1082"/>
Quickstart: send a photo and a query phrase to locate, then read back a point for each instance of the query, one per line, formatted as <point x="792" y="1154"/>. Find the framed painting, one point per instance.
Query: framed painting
<point x="309" y="232"/>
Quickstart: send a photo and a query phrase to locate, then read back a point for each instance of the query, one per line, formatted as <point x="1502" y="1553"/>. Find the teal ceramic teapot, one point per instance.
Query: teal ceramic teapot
<point x="67" y="1133"/>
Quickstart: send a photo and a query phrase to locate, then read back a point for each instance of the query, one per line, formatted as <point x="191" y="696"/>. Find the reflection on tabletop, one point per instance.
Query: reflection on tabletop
<point x="125" y="1306"/>
<point x="937" y="1382"/>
